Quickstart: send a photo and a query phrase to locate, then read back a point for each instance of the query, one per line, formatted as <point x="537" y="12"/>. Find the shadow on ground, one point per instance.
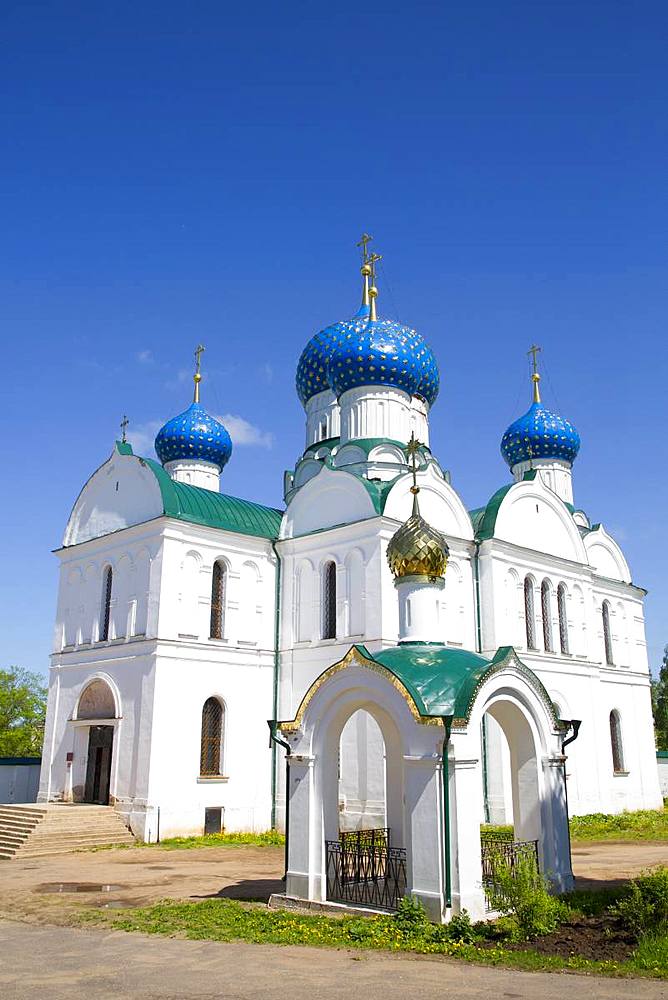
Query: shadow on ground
<point x="256" y="890"/>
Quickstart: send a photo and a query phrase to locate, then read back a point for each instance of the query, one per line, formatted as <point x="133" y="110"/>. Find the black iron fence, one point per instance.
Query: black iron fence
<point x="499" y="850"/>
<point x="364" y="870"/>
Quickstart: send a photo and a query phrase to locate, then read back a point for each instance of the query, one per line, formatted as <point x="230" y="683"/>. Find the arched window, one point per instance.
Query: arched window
<point x="529" y="613"/>
<point x="211" y="751"/>
<point x="563" y="617"/>
<point x="546" y="615"/>
<point x="329" y="601"/>
<point x="616" y="742"/>
<point x="105" y="613"/>
<point x="607" y="634"/>
<point x="217" y="629"/>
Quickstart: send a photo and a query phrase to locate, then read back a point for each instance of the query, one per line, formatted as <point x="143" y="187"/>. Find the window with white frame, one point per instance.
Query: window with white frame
<point x="529" y="613"/>
<point x="563" y="618"/>
<point x="616" y="744"/>
<point x="211" y="745"/>
<point x="329" y="600"/>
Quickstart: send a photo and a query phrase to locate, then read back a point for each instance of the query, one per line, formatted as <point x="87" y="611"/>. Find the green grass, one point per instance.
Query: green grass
<point x="270" y="838"/>
<point x="229" y="920"/>
<point x="645" y="824"/>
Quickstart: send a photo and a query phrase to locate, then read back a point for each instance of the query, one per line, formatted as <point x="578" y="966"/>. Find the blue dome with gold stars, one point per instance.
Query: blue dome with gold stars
<point x="540" y="434"/>
<point x="370" y="351"/>
<point x="194" y="434"/>
<point x="312" y="367"/>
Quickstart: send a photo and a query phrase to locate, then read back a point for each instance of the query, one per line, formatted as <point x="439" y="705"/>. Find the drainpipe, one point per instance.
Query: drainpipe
<point x="485" y="774"/>
<point x="277" y="657"/>
<point x="274" y="739"/>
<point x="476" y="585"/>
<point x="574" y="725"/>
<point x="447" y="723"/>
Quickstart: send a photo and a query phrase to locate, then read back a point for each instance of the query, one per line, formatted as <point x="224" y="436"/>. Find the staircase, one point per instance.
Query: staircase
<point x="34" y="831"/>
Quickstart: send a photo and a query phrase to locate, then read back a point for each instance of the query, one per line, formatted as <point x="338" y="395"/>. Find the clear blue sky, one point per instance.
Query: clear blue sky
<point x="182" y="172"/>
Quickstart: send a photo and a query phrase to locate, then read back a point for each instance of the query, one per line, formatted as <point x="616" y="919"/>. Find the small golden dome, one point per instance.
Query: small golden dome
<point x="417" y="549"/>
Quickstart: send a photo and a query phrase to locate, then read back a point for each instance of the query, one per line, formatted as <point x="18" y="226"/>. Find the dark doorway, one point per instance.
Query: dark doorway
<point x="98" y="772"/>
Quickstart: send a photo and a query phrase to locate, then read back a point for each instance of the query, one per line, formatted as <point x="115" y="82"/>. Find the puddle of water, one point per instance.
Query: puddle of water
<point x="77" y="887"/>
<point x="118" y="904"/>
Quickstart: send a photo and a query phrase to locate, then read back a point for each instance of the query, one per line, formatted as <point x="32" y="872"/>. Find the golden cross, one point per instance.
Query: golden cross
<point x="124" y="424"/>
<point x="412" y="449"/>
<point x="372" y="260"/>
<point x="364" y="245"/>
<point x="199" y="350"/>
<point x="534" y="350"/>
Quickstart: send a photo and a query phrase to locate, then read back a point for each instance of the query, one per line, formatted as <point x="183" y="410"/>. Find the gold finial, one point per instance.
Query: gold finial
<point x="533" y="351"/>
<point x="197" y="378"/>
<point x="417" y="549"/>
<point x="124" y="427"/>
<point x="373" y="291"/>
<point x="366" y="268"/>
<point x="412" y="449"/>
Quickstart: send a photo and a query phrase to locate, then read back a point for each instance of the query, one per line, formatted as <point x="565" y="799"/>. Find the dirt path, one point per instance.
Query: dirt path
<point x="142" y="875"/>
<point x="100" y="965"/>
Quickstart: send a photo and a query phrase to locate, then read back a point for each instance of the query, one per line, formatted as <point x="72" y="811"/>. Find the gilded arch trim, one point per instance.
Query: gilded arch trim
<point x="356" y="657"/>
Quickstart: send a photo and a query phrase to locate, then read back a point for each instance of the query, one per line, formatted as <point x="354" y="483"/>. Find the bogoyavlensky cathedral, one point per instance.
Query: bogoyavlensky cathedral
<point x="398" y="662"/>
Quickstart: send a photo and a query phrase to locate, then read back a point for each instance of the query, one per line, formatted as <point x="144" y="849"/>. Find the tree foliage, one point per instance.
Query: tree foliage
<point x="660" y="703"/>
<point x="22" y="712"/>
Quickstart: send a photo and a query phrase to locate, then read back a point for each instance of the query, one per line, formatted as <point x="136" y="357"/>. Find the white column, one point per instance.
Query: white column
<point x="554" y="841"/>
<point x="424" y="833"/>
<point x="465" y="794"/>
<point x="299" y="881"/>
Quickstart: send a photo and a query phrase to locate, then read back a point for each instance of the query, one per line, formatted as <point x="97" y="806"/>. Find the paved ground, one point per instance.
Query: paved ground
<point x="50" y="963"/>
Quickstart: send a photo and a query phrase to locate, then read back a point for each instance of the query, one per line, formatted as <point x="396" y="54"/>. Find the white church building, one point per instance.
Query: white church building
<point x="188" y="620"/>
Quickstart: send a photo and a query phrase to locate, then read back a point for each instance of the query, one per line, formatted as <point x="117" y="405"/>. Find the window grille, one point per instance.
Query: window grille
<point x="607" y="634"/>
<point x="105" y="617"/>
<point x="616" y="742"/>
<point x="563" y="618"/>
<point x="529" y="613"/>
<point x="212" y="738"/>
<point x="329" y="601"/>
<point x="546" y="613"/>
<point x="217" y="629"/>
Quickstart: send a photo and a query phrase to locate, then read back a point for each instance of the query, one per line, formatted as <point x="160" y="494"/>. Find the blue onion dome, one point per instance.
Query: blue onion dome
<point x="371" y="351"/>
<point x="312" y="367"/>
<point x="540" y="434"/>
<point x="194" y="434"/>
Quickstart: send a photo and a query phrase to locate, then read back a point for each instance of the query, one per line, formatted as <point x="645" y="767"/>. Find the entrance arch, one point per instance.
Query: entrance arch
<point x="98" y="703"/>
<point x="428" y="704"/>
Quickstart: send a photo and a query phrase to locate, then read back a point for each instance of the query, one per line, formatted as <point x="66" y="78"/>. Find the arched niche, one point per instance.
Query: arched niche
<point x="97" y="701"/>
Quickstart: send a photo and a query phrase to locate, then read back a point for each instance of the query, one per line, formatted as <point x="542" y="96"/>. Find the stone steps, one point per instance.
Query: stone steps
<point x="28" y="831"/>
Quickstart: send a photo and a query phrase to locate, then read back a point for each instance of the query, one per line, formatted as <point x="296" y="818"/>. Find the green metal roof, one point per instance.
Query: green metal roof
<point x="215" y="510"/>
<point x="443" y="681"/>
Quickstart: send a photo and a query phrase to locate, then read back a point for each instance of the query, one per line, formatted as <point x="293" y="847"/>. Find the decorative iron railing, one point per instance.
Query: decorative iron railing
<point x="364" y="870"/>
<point x="499" y="849"/>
